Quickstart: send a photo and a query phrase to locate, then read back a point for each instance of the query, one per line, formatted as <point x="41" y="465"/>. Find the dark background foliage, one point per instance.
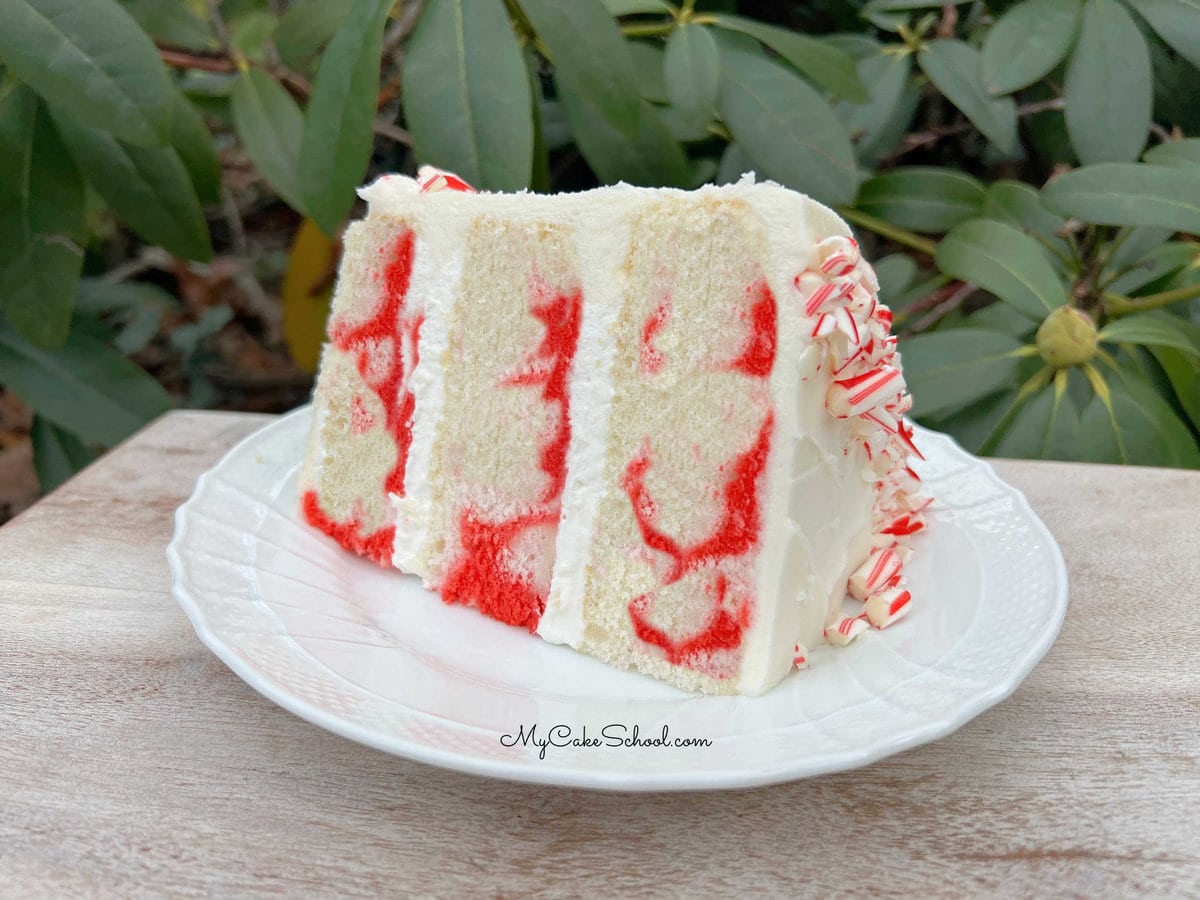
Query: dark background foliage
<point x="174" y="175"/>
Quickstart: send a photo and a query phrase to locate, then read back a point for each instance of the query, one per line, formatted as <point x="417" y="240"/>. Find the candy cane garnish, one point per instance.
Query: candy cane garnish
<point x="845" y="630"/>
<point x="909" y="523"/>
<point x="800" y="657"/>
<point x="888" y="606"/>
<point x="828" y="293"/>
<point x="881" y="567"/>
<point x="906" y="434"/>
<point x="431" y="180"/>
<point x="854" y="396"/>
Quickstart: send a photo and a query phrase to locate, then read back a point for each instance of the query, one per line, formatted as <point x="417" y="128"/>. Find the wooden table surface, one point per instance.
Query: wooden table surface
<point x="133" y="763"/>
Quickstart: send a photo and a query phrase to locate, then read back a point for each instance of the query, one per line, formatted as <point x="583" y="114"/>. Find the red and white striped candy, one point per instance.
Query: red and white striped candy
<point x="846" y="629"/>
<point x="826" y="296"/>
<point x="901" y="526"/>
<point x="430" y="180"/>
<point x="874" y="575"/>
<point x="906" y="434"/>
<point x="800" y="657"/>
<point x="888" y="606"/>
<point x="854" y="396"/>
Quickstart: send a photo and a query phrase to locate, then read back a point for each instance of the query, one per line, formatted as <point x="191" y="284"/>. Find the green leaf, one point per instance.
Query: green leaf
<point x="948" y="369"/>
<point x="1045" y="426"/>
<point x="692" y="67"/>
<point x="923" y="198"/>
<point x="1003" y="260"/>
<point x="953" y="67"/>
<point x="1108" y="91"/>
<point x="83" y="386"/>
<point x="825" y="64"/>
<point x="650" y="158"/>
<point x="57" y="454"/>
<point x="18" y="117"/>
<point x="37" y="287"/>
<point x="1027" y="42"/>
<point x="648" y="68"/>
<point x="270" y="126"/>
<point x="473" y="117"/>
<point x="895" y="273"/>
<point x="591" y="58"/>
<point x="1128" y="194"/>
<point x="38" y="290"/>
<point x="305" y="27"/>
<point x="633" y="7"/>
<point x="1017" y="204"/>
<point x="1002" y="317"/>
<point x="1159" y="264"/>
<point x="1136" y="244"/>
<point x="91" y="60"/>
<point x="176" y="23"/>
<point x="734" y="164"/>
<point x="972" y="425"/>
<point x="877" y="6"/>
<point x="194" y="143"/>
<point x="1155" y="329"/>
<point x="1183" y="372"/>
<point x="1184" y="154"/>
<point x="339" y="121"/>
<point x="250" y="32"/>
<point x="785" y="127"/>
<point x="1140" y="427"/>
<point x="1177" y="22"/>
<point x="147" y="187"/>
<point x="886" y="76"/>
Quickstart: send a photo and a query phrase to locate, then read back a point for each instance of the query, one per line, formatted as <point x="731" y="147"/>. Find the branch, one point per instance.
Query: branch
<point x="1117" y="305"/>
<point x="892" y="232"/>
<point x="954" y="301"/>
<point x="297" y="85"/>
<point x="934" y="134"/>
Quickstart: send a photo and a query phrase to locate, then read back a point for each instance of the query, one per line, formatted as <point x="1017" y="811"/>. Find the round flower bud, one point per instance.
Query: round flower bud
<point x="1067" y="338"/>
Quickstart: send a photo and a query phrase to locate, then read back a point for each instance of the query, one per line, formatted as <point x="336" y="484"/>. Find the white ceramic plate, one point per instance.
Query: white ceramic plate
<point x="371" y="655"/>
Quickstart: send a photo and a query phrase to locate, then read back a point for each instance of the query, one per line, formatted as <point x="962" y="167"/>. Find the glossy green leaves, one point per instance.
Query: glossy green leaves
<point x="271" y="126"/>
<point x="1129" y="194"/>
<point x="91" y="60"/>
<point x="785" y="128"/>
<point x="954" y="68"/>
<point x="1027" y="42"/>
<point x="947" y="369"/>
<point x="1108" y="86"/>
<point x="339" y="120"/>
<point x="1005" y="261"/>
<point x="923" y="198"/>
<point x="467" y="97"/>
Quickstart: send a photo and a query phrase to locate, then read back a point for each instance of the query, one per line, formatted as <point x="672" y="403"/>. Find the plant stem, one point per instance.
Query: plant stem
<point x="1117" y="305"/>
<point x="649" y="29"/>
<point x="888" y="230"/>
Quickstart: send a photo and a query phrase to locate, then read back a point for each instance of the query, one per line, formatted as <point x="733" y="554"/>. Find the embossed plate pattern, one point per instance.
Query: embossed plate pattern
<point x="371" y="655"/>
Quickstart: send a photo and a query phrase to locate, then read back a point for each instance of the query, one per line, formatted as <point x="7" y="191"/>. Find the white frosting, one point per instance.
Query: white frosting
<point x="436" y="271"/>
<point x="591" y="406"/>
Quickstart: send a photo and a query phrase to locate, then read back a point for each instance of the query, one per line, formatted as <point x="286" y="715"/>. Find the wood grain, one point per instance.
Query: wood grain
<point x="133" y="763"/>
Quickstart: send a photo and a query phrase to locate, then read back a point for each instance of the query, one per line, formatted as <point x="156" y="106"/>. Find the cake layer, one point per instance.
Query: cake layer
<point x="363" y="406"/>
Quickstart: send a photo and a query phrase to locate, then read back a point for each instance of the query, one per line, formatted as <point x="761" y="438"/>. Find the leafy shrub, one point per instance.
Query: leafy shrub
<point x="1021" y="171"/>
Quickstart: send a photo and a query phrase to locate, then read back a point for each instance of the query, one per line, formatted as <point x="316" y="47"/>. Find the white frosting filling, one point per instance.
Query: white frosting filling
<point x="436" y="271"/>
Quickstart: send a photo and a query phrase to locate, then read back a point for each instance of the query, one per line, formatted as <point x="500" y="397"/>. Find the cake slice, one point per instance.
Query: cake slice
<point x="662" y="427"/>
